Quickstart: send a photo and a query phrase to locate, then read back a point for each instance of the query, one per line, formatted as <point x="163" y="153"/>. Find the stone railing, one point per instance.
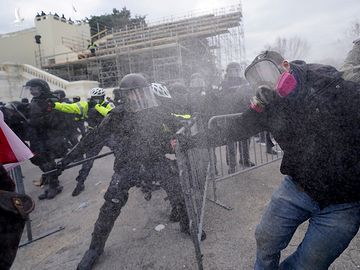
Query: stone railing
<point x="13" y="76"/>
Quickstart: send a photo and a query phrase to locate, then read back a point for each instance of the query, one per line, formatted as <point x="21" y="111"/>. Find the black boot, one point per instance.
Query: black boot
<point x="53" y="191"/>
<point x="88" y="260"/>
<point x="43" y="196"/>
<point x="50" y="192"/>
<point x="78" y="189"/>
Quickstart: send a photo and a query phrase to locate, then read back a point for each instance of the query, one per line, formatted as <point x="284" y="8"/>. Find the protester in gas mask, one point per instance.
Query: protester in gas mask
<point x="314" y="116"/>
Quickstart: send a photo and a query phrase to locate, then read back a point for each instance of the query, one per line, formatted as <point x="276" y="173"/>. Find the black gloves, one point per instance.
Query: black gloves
<point x="93" y="102"/>
<point x="264" y="96"/>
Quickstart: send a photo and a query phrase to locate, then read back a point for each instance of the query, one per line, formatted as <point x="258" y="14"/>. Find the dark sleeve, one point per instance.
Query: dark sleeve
<point x="95" y="137"/>
<point x="248" y="124"/>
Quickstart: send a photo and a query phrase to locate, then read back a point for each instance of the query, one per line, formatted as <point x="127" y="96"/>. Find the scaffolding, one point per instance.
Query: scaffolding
<point x="166" y="51"/>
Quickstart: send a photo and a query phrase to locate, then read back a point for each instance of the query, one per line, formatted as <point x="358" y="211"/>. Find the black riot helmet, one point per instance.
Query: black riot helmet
<point x="36" y="87"/>
<point x="233" y="70"/>
<point x="133" y="80"/>
<point x="233" y="77"/>
<point x="60" y="94"/>
<point x="76" y="99"/>
<point x="179" y="93"/>
<point x="135" y="93"/>
<point x="44" y="86"/>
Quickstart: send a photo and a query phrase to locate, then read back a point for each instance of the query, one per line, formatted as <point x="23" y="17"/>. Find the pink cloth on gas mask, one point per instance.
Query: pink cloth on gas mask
<point x="286" y="84"/>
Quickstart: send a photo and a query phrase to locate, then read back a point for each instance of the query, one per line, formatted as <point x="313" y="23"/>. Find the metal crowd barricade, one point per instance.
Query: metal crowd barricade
<point x="260" y="154"/>
<point x="194" y="169"/>
<point x="17" y="176"/>
<point x="198" y="166"/>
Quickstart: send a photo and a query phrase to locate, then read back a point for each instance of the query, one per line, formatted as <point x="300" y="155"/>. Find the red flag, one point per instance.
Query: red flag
<point x="6" y="153"/>
<point x="12" y="149"/>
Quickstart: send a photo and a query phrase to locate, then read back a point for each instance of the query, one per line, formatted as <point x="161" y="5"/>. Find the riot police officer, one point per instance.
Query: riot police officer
<point x="141" y="139"/>
<point x="233" y="97"/>
<point x="93" y="111"/>
<point x="61" y="95"/>
<point x="71" y="131"/>
<point x="46" y="136"/>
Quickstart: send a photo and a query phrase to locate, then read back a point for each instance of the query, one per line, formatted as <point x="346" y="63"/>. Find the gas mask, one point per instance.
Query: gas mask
<point x="269" y="82"/>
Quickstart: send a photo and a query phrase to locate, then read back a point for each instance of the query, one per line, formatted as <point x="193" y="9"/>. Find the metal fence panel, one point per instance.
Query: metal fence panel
<point x="258" y="150"/>
<point x="194" y="169"/>
<point x="198" y="166"/>
<point x="239" y="157"/>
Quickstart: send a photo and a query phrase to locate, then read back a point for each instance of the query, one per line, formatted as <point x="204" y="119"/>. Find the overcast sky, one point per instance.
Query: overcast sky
<point x="322" y="23"/>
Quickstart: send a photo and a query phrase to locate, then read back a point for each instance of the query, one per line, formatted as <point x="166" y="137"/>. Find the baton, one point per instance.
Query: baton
<point x="79" y="162"/>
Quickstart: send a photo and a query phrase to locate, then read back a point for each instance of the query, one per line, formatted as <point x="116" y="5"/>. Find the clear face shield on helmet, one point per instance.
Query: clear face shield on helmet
<point x="30" y="91"/>
<point x="263" y="72"/>
<point x="139" y="99"/>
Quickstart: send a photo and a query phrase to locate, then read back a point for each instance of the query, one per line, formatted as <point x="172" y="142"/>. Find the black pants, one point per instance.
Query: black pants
<point x="46" y="162"/>
<point x="86" y="167"/>
<point x="265" y="138"/>
<point x="93" y="151"/>
<point x="117" y="195"/>
<point x="243" y="152"/>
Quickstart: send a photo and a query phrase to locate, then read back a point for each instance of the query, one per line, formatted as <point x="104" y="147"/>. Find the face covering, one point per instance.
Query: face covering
<point x="286" y="84"/>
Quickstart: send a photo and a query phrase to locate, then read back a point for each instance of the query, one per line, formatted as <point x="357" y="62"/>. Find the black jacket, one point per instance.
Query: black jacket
<point x="318" y="128"/>
<point x="141" y="138"/>
<point x="233" y="97"/>
<point x="46" y="128"/>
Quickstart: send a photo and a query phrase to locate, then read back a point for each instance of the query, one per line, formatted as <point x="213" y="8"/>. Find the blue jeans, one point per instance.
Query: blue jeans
<point x="328" y="235"/>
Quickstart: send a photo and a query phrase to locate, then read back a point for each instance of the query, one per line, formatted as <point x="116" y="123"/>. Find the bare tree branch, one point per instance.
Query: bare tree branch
<point x="292" y="48"/>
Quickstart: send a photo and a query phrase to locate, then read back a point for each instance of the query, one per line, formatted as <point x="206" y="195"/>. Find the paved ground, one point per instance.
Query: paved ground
<point x="134" y="244"/>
